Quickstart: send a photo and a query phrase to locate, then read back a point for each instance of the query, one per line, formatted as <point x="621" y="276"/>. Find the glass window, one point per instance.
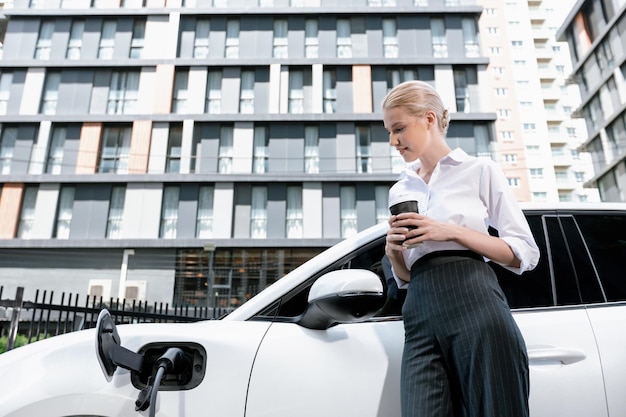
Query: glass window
<point x="311" y="150"/>
<point x="363" y="149"/>
<point x="123" y="92"/>
<point x="344" y="41"/>
<point x="75" y="43"/>
<point x="470" y="38"/>
<point x="295" y="218"/>
<point x="347" y="202"/>
<point x="169" y="212"/>
<point x="174" y="145"/>
<point x="311" y="41"/>
<point x="6" y="79"/>
<point x="232" y="39"/>
<point x="64" y="213"/>
<point x="330" y="91"/>
<point x="204" y="218"/>
<point x="50" y="95"/>
<point x="246" y="104"/>
<point x="438" y="31"/>
<point x="214" y="91"/>
<point x="7" y="145"/>
<point x="390" y="38"/>
<point x="137" y="41"/>
<point x="181" y="92"/>
<point x="107" y="39"/>
<point x="296" y="92"/>
<point x="381" y="193"/>
<point x="55" y="150"/>
<point x="280" y="38"/>
<point x="44" y="41"/>
<point x="258" y="213"/>
<point x="201" y="39"/>
<point x="115" y="150"/>
<point x="116" y="212"/>
<point x="463" y="79"/>
<point x="225" y="158"/>
<point x="260" y="164"/>
<point x="27" y="214"/>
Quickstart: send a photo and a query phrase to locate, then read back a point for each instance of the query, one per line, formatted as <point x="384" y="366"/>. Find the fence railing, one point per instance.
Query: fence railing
<point x="44" y="317"/>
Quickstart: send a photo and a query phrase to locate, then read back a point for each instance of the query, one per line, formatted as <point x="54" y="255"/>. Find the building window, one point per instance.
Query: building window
<point x="169" y="212"/>
<point x="540" y="196"/>
<point x="363" y="149"/>
<point x="470" y="38"/>
<point x="260" y="164"/>
<point x="54" y="161"/>
<point x="344" y="41"/>
<point x="123" y="92"/>
<point x="536" y="173"/>
<point x="579" y="176"/>
<point x="7" y="145"/>
<point x="64" y="213"/>
<point x="232" y="39"/>
<point x="504" y="113"/>
<point x="513" y="182"/>
<point x="174" y="145"/>
<point x="107" y="39"/>
<point x="493" y="30"/>
<point x="246" y="104"/>
<point x="280" y="38"/>
<point x="201" y="39"/>
<point x="204" y="217"/>
<point x="509" y="158"/>
<point x="214" y="92"/>
<point x="6" y="79"/>
<point x="225" y="152"/>
<point x="44" y="41"/>
<point x="438" y="31"/>
<point x="381" y="194"/>
<point x="296" y="91"/>
<point x="258" y="213"/>
<point x="311" y="150"/>
<point x="311" y="41"/>
<point x="517" y="44"/>
<point x="347" y="203"/>
<point x="116" y="212"/>
<point x="181" y="92"/>
<point x="115" y="150"/>
<point x="330" y="91"/>
<point x="463" y="78"/>
<point x="495" y="50"/>
<point x="529" y="127"/>
<point x="390" y="38"/>
<point x="295" y="218"/>
<point x="50" y="95"/>
<point x="506" y="136"/>
<point x="397" y="162"/>
<point x="137" y="41"/>
<point x="501" y="92"/>
<point x="27" y="214"/>
<point x="75" y="43"/>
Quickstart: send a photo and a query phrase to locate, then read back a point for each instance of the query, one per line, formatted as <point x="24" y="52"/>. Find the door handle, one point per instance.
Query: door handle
<point x="565" y="356"/>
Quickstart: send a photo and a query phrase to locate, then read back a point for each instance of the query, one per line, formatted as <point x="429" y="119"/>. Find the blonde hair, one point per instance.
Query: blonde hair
<point x="417" y="98"/>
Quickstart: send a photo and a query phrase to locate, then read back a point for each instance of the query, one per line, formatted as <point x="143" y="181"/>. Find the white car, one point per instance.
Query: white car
<point x="312" y="344"/>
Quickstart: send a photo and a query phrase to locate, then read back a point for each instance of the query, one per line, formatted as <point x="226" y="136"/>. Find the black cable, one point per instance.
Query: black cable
<point x="155" y="389"/>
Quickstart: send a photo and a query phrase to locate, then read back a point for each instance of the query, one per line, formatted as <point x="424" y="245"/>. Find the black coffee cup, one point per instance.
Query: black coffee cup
<point x="409" y="206"/>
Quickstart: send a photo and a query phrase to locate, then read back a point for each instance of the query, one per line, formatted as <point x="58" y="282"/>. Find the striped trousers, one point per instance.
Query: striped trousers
<point x="464" y="355"/>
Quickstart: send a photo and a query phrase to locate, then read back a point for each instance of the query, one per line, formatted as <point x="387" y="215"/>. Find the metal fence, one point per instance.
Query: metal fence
<point x="44" y="317"/>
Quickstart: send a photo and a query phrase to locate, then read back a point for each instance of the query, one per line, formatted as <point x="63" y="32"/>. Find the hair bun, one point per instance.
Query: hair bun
<point x="445" y="119"/>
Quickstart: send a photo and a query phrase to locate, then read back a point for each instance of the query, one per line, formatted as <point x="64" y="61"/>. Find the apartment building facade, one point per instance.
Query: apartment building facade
<point x="596" y="33"/>
<point x="194" y="152"/>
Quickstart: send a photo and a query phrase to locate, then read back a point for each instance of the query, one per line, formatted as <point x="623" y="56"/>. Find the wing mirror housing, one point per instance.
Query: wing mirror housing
<point x="343" y="296"/>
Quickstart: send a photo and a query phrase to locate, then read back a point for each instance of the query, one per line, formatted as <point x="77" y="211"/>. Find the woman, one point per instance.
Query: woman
<point x="464" y="354"/>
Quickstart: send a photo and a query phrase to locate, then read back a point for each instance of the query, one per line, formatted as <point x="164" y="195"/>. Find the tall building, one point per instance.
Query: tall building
<point x="537" y="139"/>
<point x="195" y="152"/>
<point x="596" y="33"/>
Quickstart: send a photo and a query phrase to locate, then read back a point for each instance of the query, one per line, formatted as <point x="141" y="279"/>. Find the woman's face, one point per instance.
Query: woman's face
<point x="407" y="133"/>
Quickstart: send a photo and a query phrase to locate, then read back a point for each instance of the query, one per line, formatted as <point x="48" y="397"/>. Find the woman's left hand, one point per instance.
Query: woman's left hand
<point x="427" y="229"/>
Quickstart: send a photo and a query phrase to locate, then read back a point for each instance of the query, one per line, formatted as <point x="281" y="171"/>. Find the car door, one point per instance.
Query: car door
<point x="605" y="240"/>
<point x="565" y="369"/>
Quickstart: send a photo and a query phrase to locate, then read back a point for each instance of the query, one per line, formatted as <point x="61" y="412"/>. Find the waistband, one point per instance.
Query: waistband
<point x="444" y="256"/>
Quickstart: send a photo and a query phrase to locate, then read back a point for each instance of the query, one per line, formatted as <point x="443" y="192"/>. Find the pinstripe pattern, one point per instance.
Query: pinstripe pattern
<point x="464" y="355"/>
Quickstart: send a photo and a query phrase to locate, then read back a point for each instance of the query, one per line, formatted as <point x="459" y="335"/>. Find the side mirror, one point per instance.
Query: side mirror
<point x="343" y="296"/>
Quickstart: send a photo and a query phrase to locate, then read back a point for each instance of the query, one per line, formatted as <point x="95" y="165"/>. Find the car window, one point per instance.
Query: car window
<point x="532" y="288"/>
<point x="584" y="270"/>
<point x="605" y="237"/>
